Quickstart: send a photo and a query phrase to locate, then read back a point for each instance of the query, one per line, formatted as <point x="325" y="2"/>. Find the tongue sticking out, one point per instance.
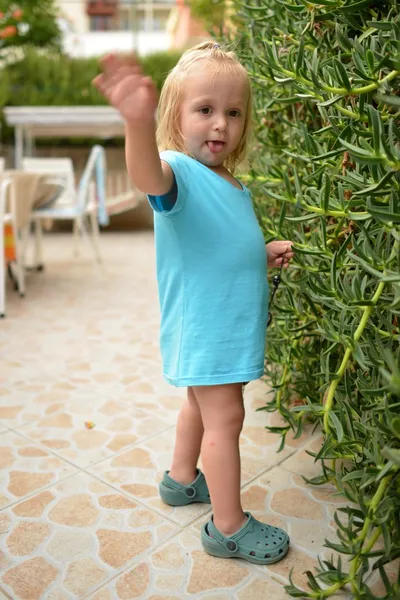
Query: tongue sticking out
<point x="215" y="146"/>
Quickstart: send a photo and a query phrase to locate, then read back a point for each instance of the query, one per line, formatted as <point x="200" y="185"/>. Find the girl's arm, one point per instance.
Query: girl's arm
<point x="134" y="96"/>
<point x="147" y="172"/>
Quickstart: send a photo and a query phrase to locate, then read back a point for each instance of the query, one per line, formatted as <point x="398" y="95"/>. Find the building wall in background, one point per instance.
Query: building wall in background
<point x="134" y="26"/>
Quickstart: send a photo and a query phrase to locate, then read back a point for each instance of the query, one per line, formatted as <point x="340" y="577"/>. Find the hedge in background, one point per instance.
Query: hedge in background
<point x="53" y="79"/>
<point x="326" y="174"/>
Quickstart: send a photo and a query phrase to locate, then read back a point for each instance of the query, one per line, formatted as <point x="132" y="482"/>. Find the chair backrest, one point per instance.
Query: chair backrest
<point x="5" y="184"/>
<point x="92" y="181"/>
<point x="60" y="168"/>
<point x="2" y="164"/>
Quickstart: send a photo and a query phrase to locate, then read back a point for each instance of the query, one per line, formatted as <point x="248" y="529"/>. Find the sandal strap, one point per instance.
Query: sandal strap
<point x="252" y="527"/>
<point x="231" y="543"/>
<point x="190" y="491"/>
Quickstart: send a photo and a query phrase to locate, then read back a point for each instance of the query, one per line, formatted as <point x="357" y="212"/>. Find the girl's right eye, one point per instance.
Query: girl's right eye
<point x="205" y="110"/>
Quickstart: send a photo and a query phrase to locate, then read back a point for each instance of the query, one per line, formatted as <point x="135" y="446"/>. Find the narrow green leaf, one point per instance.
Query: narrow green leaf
<point x="304" y="218"/>
<point x="356" y="7"/>
<point x="326" y="192"/>
<point x="312" y="582"/>
<point x="386" y="469"/>
<point x="383" y="25"/>
<point x="391" y="100"/>
<point x="356" y="150"/>
<point x="337" y="425"/>
<point x="293" y="8"/>
<point x="369" y="55"/>
<point x="281" y="217"/>
<point x="327" y="155"/>
<point x="353" y="475"/>
<point x="297" y="183"/>
<point x="300" y="56"/>
<point x="382" y="214"/>
<point x="376" y="125"/>
<point x="392" y="454"/>
<point x="377" y="186"/>
<point x="330" y="102"/>
<point x="343" y="39"/>
<point x="342" y="74"/>
<point x="333" y="271"/>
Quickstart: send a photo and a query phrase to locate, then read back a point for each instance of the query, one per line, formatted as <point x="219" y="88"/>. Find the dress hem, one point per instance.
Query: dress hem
<point x="219" y="380"/>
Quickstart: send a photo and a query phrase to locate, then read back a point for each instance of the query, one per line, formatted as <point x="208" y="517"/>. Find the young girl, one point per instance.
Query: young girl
<point x="211" y="270"/>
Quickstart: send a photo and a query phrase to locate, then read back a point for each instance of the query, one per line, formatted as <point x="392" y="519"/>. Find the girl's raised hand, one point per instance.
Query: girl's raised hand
<point x="125" y="87"/>
<point x="279" y="251"/>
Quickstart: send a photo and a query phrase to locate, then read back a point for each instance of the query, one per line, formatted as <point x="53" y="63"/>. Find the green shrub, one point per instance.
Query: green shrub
<point x="53" y="79"/>
<point x="326" y="174"/>
<point x="26" y="23"/>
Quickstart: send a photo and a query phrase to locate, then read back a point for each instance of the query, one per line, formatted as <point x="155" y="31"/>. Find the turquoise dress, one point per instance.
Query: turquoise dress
<point x="212" y="279"/>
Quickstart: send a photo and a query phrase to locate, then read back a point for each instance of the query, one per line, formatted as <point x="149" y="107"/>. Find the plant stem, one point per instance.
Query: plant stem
<point x="372" y="541"/>
<point x="330" y="590"/>
<point x="364" y="320"/>
<point x="284" y="375"/>
<point x="280" y="391"/>
<point x="368" y="522"/>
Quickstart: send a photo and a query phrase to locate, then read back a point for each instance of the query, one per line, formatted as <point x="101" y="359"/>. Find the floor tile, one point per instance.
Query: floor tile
<point x="274" y="498"/>
<point x="26" y="468"/>
<point x="87" y="429"/>
<point x="27" y="401"/>
<point x="138" y="471"/>
<point x="301" y="462"/>
<point x="181" y="569"/>
<point x="72" y="537"/>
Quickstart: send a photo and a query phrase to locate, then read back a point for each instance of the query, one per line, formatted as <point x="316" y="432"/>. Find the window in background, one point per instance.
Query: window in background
<point x="100" y="23"/>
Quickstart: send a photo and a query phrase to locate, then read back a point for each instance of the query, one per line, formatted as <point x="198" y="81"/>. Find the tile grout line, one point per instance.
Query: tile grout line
<point x="130" y="564"/>
<point x="3" y="591"/>
<point x="80" y="468"/>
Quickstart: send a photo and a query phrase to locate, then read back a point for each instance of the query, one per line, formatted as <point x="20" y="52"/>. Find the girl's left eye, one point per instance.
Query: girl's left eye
<point x="234" y="113"/>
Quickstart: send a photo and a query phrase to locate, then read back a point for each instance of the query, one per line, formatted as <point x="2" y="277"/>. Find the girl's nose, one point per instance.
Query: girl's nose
<point x="220" y="123"/>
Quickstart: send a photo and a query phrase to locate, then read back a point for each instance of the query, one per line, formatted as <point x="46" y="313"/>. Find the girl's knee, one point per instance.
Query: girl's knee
<point x="221" y="407"/>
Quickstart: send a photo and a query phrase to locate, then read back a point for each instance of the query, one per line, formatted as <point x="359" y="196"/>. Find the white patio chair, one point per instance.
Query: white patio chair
<point x="7" y="217"/>
<point x="2" y="164"/>
<point x="78" y="205"/>
<point x="61" y="172"/>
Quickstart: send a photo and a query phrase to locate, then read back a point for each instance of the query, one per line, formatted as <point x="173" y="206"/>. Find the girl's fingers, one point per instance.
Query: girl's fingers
<point x="98" y="81"/>
<point x="108" y="63"/>
<point x="112" y="63"/>
<point x="122" y="73"/>
<point x="107" y="81"/>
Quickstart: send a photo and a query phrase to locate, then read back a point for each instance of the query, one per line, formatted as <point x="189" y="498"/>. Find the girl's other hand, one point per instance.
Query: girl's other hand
<point x="125" y="87"/>
<point x="279" y="252"/>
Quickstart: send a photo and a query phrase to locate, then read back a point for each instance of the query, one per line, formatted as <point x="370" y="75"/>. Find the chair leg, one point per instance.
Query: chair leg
<point x="38" y="260"/>
<point x="20" y="247"/>
<point x="76" y="236"/>
<point x="95" y="237"/>
<point x="2" y="273"/>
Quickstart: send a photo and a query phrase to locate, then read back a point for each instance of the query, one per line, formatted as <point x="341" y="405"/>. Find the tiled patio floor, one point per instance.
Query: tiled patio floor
<point x="80" y="514"/>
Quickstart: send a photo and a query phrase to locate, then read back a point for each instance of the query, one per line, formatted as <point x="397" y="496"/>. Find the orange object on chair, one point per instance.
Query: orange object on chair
<point x="9" y="243"/>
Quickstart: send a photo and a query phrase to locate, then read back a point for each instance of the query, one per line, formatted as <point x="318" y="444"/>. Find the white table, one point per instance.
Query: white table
<point x="31" y="122"/>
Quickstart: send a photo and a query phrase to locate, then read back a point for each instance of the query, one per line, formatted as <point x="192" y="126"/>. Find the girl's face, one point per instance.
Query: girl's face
<point x="213" y="112"/>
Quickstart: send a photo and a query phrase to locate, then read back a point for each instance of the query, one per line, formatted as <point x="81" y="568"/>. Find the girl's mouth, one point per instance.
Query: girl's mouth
<point x="215" y="146"/>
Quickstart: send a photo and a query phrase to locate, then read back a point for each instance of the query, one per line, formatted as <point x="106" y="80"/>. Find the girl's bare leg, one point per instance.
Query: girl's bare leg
<point x="222" y="412"/>
<point x="189" y="433"/>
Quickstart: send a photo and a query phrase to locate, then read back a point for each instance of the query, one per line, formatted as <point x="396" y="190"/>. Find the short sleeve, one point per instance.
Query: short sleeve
<point x="180" y="167"/>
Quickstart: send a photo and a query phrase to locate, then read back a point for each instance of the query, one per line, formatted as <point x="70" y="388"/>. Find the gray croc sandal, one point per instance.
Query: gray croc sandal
<point x="177" y="494"/>
<point x="255" y="542"/>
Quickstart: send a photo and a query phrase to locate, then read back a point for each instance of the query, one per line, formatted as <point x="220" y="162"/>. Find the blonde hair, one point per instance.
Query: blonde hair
<point x="169" y="136"/>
